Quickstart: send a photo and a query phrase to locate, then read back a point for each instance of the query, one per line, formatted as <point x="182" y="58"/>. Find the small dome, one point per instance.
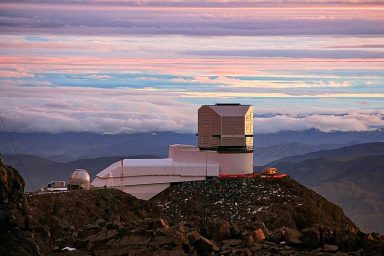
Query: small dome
<point x="80" y="175"/>
<point x="79" y="180"/>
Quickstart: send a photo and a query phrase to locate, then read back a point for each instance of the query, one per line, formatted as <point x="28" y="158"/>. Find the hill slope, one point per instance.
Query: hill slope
<point x="351" y="176"/>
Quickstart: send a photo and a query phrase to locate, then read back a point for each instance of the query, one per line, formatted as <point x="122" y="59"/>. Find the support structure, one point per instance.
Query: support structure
<point x="122" y="175"/>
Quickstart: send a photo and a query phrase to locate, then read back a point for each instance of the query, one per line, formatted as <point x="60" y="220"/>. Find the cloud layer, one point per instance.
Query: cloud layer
<point x="125" y="110"/>
<point x="110" y="66"/>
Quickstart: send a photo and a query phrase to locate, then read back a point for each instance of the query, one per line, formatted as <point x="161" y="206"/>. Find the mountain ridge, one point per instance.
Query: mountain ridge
<point x="343" y="153"/>
<point x="354" y="183"/>
<point x="70" y="146"/>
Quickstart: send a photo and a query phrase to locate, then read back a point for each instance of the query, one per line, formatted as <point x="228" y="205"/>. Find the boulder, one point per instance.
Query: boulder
<point x="161" y="241"/>
<point x="218" y="230"/>
<point x="277" y="235"/>
<point x="233" y="242"/>
<point x="258" y="235"/>
<point x="160" y="223"/>
<point x="113" y="225"/>
<point x="89" y="230"/>
<point x="235" y="229"/>
<point x="163" y="232"/>
<point x="102" y="237"/>
<point x="249" y="240"/>
<point x="193" y="237"/>
<point x="138" y="231"/>
<point x="330" y="248"/>
<point x="181" y="227"/>
<point x="311" y="237"/>
<point x="259" y="224"/>
<point x="341" y="254"/>
<point x="206" y="246"/>
<point x="292" y="236"/>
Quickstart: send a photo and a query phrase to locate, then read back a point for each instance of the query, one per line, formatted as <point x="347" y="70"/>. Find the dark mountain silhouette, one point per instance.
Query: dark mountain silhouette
<point x="350" y="176"/>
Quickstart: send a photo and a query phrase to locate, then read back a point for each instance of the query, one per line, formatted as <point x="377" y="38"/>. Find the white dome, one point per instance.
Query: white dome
<point x="80" y="175"/>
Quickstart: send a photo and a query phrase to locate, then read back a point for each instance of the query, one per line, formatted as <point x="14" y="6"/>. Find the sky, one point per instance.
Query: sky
<point x="108" y="66"/>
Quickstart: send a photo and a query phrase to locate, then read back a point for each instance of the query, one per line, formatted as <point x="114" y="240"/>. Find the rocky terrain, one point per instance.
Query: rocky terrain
<point x="213" y="217"/>
<point x="276" y="202"/>
<point x="14" y="224"/>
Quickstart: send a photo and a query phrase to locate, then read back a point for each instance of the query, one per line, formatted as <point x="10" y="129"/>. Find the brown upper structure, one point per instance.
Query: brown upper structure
<point x="226" y="127"/>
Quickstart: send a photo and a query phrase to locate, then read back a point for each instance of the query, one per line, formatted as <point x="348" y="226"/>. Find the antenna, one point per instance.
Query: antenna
<point x="121" y="175"/>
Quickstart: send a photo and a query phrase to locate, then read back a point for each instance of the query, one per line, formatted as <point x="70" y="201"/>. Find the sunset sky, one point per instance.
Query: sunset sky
<point x="126" y="66"/>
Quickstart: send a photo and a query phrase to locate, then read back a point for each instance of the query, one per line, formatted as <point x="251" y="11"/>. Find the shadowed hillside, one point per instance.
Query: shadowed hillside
<point x="351" y="177"/>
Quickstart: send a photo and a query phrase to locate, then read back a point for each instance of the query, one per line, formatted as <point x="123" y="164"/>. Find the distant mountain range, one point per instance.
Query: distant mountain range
<point x="351" y="177"/>
<point x="64" y="147"/>
<point x="264" y="155"/>
<point x="71" y="146"/>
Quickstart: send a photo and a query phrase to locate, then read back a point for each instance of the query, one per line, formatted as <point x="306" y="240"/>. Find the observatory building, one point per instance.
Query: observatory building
<point x="225" y="146"/>
<point x="79" y="179"/>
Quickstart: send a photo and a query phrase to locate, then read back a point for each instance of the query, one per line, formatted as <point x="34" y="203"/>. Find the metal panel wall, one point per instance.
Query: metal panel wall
<point x="232" y="125"/>
<point x="209" y="125"/>
<point x="225" y="127"/>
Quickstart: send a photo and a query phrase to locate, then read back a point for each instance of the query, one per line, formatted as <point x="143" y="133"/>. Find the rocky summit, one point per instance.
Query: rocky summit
<point x="14" y="221"/>
<point x="240" y="216"/>
<point x="276" y="202"/>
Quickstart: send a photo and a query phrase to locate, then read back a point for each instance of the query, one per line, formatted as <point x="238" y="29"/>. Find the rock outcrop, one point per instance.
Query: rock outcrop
<point x="63" y="217"/>
<point x="15" y="237"/>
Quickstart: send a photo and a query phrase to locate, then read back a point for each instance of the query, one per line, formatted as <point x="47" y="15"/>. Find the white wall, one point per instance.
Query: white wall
<point x="230" y="163"/>
<point x="145" y="178"/>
